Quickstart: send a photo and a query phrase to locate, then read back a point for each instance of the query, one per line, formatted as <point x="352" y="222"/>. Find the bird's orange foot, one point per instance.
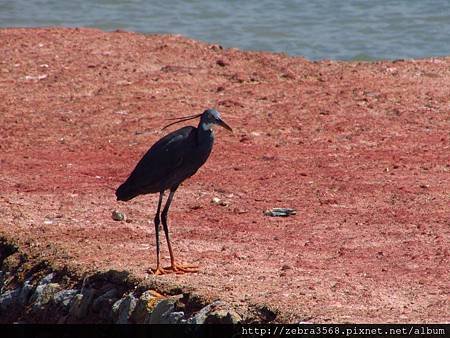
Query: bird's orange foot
<point x="179" y="269"/>
<point x="159" y="271"/>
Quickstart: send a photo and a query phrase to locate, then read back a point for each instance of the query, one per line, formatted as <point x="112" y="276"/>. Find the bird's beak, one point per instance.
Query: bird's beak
<point x="223" y="124"/>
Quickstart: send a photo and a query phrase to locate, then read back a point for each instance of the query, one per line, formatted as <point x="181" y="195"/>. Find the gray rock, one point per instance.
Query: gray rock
<point x="62" y="319"/>
<point x="145" y="306"/>
<point x="175" y="317"/>
<point x="43" y="295"/>
<point x="81" y="303"/>
<point x="160" y="314"/>
<point x="280" y="212"/>
<point x="118" y="216"/>
<point x="223" y="316"/>
<point x="217" y="312"/>
<point x="47" y="279"/>
<point x="123" y="308"/>
<point x="106" y="299"/>
<point x="8" y="300"/>
<point x="64" y="299"/>
<point x="37" y="293"/>
<point x="200" y="316"/>
<point x="218" y="201"/>
<point x="2" y="280"/>
<point x="25" y="293"/>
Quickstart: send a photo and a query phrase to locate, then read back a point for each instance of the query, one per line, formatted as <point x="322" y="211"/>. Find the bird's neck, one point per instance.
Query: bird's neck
<point x="204" y="131"/>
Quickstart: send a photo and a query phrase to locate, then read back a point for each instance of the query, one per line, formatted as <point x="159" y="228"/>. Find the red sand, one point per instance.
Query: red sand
<point x="361" y="150"/>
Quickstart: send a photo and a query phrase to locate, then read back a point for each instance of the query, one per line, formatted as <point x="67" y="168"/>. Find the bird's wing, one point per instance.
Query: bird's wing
<point x="163" y="158"/>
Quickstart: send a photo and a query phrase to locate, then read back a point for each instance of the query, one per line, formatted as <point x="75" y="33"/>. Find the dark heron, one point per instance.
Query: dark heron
<point x="171" y="160"/>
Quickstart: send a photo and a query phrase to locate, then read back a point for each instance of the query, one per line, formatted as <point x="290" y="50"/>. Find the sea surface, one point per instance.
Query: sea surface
<point x="315" y="29"/>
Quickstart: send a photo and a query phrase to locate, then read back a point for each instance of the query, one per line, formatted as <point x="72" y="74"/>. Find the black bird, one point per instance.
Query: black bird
<point x="174" y="158"/>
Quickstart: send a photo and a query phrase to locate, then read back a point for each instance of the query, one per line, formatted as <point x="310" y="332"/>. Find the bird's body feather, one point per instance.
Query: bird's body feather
<point x="174" y="158"/>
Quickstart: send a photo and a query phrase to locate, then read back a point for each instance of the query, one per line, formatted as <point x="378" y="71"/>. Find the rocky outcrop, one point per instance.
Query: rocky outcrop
<point x="37" y="294"/>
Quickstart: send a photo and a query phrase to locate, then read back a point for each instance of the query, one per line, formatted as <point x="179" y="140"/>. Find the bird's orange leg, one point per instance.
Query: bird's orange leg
<point x="177" y="268"/>
<point x="159" y="271"/>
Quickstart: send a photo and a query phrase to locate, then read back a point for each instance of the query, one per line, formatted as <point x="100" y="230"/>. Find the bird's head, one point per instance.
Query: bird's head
<point x="208" y="118"/>
<point x="212" y="117"/>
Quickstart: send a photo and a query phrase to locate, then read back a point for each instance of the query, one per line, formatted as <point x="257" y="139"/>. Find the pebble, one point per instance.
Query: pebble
<point x="218" y="201"/>
<point x="222" y="63"/>
<point x="280" y="212"/>
<point x="118" y="216"/>
<point x="36" y="77"/>
<point x="285" y="267"/>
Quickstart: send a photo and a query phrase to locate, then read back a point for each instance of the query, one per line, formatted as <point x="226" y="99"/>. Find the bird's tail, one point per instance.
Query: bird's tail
<point x="125" y="192"/>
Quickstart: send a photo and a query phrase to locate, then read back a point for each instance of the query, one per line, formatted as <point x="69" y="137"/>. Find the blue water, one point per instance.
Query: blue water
<point x="316" y="29"/>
